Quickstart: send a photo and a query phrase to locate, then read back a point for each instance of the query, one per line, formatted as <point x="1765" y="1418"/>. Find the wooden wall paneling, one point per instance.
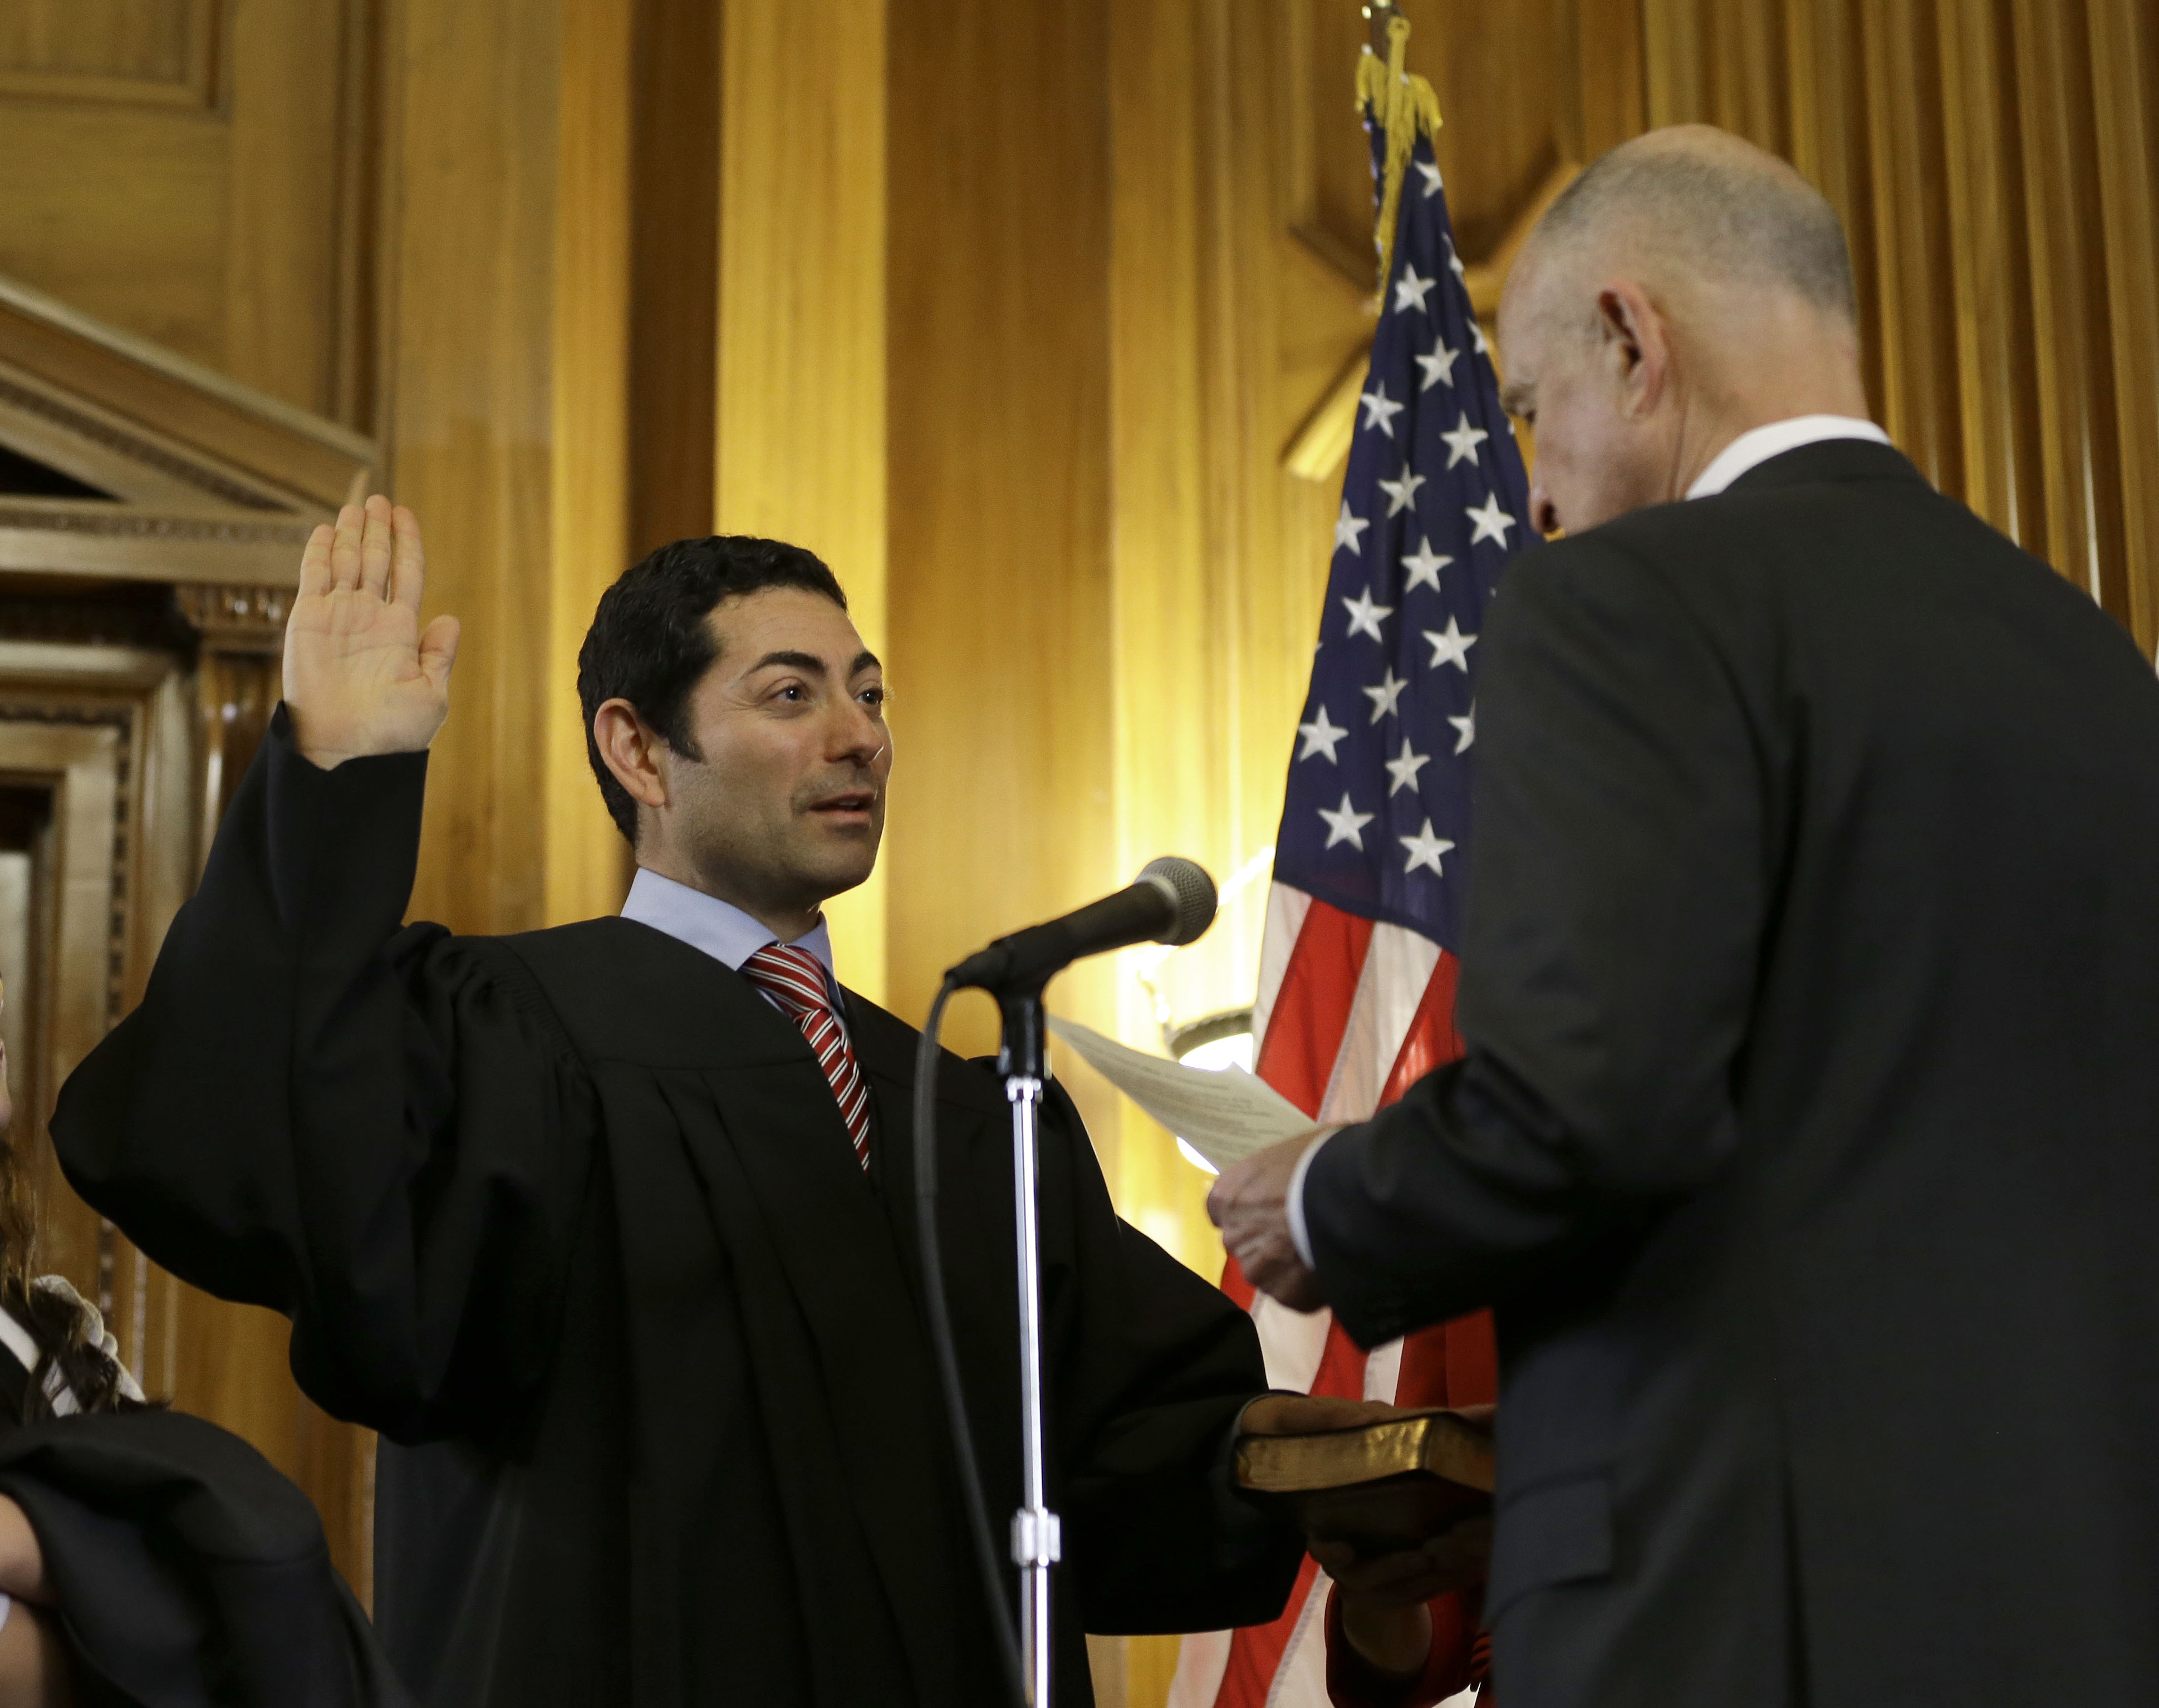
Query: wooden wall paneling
<point x="801" y="434"/>
<point x="2124" y="110"/>
<point x="587" y="863"/>
<point x="1830" y="146"/>
<point x="1002" y="808"/>
<point x="1677" y="65"/>
<point x="674" y="282"/>
<point x="1610" y="65"/>
<point x="2124" y="71"/>
<point x="1753" y="88"/>
<point x="157" y="52"/>
<point x="1174" y="741"/>
<point x="290" y="81"/>
<point x="474" y="87"/>
<point x="1901" y="67"/>
<point x="2070" y="329"/>
<point x="361" y="257"/>
<point x="1996" y="383"/>
<point x="217" y="213"/>
<point x="119" y="209"/>
<point x="1719" y="64"/>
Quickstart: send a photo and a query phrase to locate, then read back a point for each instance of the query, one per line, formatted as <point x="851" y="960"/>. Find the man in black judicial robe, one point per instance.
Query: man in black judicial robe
<point x="575" y="1218"/>
<point x="1807" y="1142"/>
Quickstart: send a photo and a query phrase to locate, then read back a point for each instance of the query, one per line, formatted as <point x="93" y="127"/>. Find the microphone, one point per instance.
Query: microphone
<point x="1171" y="901"/>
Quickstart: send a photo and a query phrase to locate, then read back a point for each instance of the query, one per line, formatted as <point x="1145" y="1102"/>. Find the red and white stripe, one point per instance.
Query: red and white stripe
<point x="795" y="978"/>
<point x="1349" y="1014"/>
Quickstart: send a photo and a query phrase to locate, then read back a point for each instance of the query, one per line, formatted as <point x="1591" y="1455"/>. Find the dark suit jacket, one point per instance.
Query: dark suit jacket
<point x="573" y="1217"/>
<point x="1808" y="1139"/>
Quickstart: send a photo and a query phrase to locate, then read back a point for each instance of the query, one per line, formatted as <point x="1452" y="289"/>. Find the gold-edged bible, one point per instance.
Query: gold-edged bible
<point x="1383" y="1486"/>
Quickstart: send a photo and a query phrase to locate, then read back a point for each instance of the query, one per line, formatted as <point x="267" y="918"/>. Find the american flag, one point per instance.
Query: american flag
<point x="1357" y="980"/>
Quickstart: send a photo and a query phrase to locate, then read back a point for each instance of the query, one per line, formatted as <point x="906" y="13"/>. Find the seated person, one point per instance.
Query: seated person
<point x="148" y="1559"/>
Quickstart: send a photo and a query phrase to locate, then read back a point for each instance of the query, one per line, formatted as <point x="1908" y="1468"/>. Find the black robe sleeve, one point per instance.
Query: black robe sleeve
<point x="1623" y="870"/>
<point x="378" y="1132"/>
<point x="1155" y="1369"/>
<point x="189" y="1572"/>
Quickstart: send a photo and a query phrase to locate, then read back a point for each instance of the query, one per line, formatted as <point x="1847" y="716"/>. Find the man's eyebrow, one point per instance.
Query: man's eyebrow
<point x="793" y="660"/>
<point x="865" y="660"/>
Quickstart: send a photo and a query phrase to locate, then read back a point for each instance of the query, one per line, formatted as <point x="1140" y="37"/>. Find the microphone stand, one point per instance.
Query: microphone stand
<point x="1036" y="1533"/>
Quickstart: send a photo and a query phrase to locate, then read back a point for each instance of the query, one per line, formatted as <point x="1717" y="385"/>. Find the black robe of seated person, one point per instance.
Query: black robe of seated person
<point x="187" y="1572"/>
<point x="572" y="1218"/>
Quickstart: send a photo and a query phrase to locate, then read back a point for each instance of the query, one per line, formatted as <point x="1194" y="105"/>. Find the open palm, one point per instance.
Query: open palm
<point x="361" y="675"/>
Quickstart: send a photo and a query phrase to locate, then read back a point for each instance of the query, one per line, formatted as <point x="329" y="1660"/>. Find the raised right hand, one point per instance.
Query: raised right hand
<point x="361" y="676"/>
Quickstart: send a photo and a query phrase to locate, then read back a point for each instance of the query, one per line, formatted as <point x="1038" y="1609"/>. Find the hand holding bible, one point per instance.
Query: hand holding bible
<point x="361" y="676"/>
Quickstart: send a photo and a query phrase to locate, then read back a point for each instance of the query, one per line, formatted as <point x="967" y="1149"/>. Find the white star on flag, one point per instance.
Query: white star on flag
<point x="1345" y="824"/>
<point x="1404" y="768"/>
<point x="1492" y="522"/>
<point x="1379" y="412"/>
<point x="1431" y="184"/>
<point x="1465" y="728"/>
<point x="1382" y="697"/>
<point x="1425" y="850"/>
<point x="1452" y="648"/>
<point x="1454" y="260"/>
<point x="1346" y="528"/>
<point x="1320" y="736"/>
<point x="1477" y="333"/>
<point x="1438" y="366"/>
<point x="1410" y="290"/>
<point x="1364" y="616"/>
<point x="1424" y="565"/>
<point x="1401" y="494"/>
<point x="1463" y="442"/>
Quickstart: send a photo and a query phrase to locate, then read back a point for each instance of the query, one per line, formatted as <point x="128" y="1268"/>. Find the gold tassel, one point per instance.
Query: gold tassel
<point x="1405" y="108"/>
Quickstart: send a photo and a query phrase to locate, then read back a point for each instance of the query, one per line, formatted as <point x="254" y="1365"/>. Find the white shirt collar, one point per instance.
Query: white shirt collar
<point x="720" y="929"/>
<point x="1757" y="446"/>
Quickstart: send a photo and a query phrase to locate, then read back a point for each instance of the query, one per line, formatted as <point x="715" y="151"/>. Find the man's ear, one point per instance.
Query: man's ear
<point x="1632" y="334"/>
<point x="634" y="751"/>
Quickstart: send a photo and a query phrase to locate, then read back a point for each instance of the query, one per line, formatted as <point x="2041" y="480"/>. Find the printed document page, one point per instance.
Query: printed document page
<point x="1225" y="1114"/>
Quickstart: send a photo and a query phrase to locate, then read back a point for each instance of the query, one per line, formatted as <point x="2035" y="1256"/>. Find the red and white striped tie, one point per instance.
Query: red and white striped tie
<point x="795" y="979"/>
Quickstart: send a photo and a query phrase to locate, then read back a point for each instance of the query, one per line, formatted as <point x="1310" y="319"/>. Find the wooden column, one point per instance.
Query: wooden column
<point x="507" y="187"/>
<point x="2124" y="39"/>
<point x="800" y="393"/>
<point x="1001" y="809"/>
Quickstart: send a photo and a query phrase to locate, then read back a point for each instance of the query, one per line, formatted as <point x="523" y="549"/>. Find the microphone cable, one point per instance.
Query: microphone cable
<point x="1003" y="1617"/>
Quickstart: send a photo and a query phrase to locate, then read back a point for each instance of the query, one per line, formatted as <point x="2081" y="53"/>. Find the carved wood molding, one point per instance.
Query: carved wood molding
<point x="306" y="462"/>
<point x="235" y="618"/>
<point x="137" y="448"/>
<point x="98" y="69"/>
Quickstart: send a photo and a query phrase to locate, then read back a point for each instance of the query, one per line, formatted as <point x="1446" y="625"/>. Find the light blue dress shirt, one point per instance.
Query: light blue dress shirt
<point x="720" y="929"/>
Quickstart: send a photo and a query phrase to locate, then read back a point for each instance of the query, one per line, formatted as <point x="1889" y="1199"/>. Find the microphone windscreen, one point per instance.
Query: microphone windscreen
<point x="1191" y="892"/>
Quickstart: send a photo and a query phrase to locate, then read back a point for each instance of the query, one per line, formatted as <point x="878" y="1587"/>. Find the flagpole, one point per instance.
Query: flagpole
<point x="1403" y="107"/>
<point x="1376" y="14"/>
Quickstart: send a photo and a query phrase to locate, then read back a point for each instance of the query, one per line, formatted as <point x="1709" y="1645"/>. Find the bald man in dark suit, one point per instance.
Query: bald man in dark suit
<point x="1807" y="1143"/>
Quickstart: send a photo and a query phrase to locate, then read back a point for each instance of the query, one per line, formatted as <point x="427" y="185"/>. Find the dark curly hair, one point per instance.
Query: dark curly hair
<point x="650" y="643"/>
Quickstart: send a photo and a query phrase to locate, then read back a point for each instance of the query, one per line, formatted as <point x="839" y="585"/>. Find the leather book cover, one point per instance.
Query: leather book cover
<point x="1390" y="1484"/>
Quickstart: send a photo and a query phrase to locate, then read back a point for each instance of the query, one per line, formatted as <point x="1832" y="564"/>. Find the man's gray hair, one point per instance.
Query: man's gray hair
<point x="1715" y="205"/>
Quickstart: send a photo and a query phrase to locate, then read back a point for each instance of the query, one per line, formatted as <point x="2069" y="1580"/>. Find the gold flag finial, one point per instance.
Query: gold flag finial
<point x="1403" y="107"/>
